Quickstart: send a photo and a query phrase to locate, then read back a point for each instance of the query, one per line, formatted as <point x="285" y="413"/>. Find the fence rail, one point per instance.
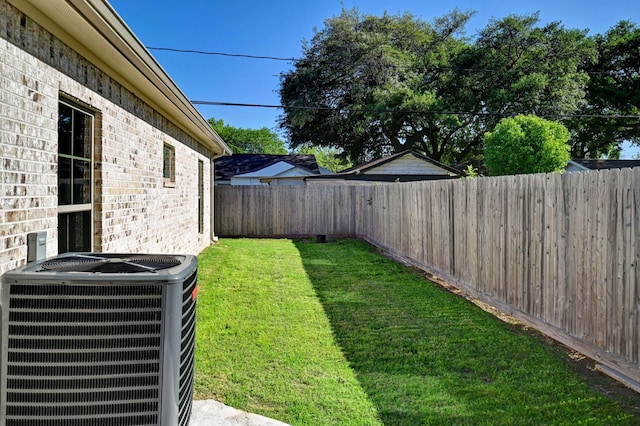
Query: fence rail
<point x="558" y="251"/>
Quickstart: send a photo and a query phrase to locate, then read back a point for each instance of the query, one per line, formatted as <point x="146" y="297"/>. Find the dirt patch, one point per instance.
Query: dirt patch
<point x="625" y="397"/>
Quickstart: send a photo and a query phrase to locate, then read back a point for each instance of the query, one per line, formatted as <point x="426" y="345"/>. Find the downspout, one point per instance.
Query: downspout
<point x="213" y="237"/>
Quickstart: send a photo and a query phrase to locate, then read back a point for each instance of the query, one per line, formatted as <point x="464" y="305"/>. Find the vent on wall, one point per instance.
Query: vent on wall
<point x="98" y="339"/>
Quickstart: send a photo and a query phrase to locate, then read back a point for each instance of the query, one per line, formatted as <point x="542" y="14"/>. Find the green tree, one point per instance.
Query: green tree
<point x="526" y="144"/>
<point x="357" y="69"/>
<point x="328" y="157"/>
<point x="517" y="67"/>
<point x="378" y="85"/>
<point x="614" y="89"/>
<point x="249" y="141"/>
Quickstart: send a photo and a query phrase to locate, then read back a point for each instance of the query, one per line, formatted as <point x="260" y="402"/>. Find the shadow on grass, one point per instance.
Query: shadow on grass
<point x="426" y="356"/>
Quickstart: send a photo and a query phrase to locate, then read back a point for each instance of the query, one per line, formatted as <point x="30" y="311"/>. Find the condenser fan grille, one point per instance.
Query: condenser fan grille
<point x="112" y="264"/>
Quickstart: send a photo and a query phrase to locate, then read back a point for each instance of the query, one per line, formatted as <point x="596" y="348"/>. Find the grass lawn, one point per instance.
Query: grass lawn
<point x="321" y="334"/>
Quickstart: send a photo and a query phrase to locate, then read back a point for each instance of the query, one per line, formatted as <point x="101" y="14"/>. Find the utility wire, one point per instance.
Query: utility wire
<point x="292" y="59"/>
<point x="235" y="55"/>
<point x="321" y="108"/>
<point x="459" y="113"/>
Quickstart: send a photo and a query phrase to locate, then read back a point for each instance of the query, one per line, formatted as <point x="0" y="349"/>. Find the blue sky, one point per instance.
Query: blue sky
<point x="277" y="29"/>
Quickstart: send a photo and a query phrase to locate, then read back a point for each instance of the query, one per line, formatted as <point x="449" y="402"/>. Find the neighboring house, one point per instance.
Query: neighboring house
<point x="581" y="165"/>
<point x="265" y="169"/>
<point x="100" y="150"/>
<point x="405" y="166"/>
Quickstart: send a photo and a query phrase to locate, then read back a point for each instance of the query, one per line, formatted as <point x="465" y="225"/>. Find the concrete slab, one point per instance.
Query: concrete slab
<point x="213" y="413"/>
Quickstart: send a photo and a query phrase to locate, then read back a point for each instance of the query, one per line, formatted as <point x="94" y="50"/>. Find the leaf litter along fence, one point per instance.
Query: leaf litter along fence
<point x="559" y="252"/>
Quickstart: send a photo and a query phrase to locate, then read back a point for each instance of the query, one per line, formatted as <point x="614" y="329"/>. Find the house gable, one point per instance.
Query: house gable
<point x="281" y="169"/>
<point x="407" y="164"/>
<point x="252" y="167"/>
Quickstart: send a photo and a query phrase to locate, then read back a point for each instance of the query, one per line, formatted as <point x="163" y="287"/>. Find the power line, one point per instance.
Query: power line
<point x="459" y="113"/>
<point x="293" y="59"/>
<point x="235" y="55"/>
<point x="234" y="104"/>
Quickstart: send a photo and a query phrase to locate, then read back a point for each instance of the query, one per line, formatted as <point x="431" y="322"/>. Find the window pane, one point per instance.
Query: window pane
<point x="82" y="225"/>
<point x="200" y="196"/>
<point x="166" y="162"/>
<point x="169" y="163"/>
<point x="64" y="181"/>
<point x="63" y="233"/>
<point x="81" y="182"/>
<point x="74" y="232"/>
<point x="64" y="129"/>
<point x="81" y="134"/>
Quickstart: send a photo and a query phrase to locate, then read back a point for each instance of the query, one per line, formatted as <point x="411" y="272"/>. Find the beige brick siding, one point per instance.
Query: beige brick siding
<point x="133" y="210"/>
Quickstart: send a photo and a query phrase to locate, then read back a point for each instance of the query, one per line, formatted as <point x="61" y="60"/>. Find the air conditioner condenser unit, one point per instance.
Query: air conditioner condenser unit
<point x="98" y="339"/>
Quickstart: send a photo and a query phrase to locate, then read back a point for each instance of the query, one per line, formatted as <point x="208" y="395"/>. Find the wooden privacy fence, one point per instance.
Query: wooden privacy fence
<point x="266" y="211"/>
<point x="558" y="251"/>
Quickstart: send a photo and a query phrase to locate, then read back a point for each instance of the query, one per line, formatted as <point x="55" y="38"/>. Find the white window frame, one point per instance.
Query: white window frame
<point x="78" y="208"/>
<point x="170" y="180"/>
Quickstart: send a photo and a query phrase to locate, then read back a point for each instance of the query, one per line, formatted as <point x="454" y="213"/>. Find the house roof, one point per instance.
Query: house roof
<point x="603" y="164"/>
<point x="94" y="29"/>
<point x="368" y="171"/>
<point x="365" y="167"/>
<point x="362" y="168"/>
<point x="240" y="164"/>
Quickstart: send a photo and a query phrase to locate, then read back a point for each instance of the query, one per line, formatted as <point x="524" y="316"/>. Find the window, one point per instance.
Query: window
<point x="200" y="196"/>
<point x="169" y="165"/>
<point x="75" y="166"/>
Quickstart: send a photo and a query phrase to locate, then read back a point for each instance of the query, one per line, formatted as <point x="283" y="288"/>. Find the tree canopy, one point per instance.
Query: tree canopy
<point x="328" y="158"/>
<point x="372" y="86"/>
<point x="613" y="89"/>
<point x="249" y="141"/>
<point x="526" y="144"/>
<point x="360" y="85"/>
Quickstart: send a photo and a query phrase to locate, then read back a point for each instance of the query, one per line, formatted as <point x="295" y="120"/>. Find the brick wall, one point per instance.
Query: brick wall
<point x="133" y="210"/>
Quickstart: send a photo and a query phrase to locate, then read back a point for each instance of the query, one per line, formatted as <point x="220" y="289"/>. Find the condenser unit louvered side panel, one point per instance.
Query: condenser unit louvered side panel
<point x="95" y="346"/>
<point x="84" y="354"/>
<point x="187" y="347"/>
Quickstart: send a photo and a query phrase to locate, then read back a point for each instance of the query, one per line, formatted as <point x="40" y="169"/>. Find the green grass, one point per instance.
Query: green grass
<point x="264" y="343"/>
<point x="320" y="334"/>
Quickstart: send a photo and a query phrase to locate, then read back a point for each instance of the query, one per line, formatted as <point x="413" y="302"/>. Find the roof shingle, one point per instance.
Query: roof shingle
<point x="237" y="164"/>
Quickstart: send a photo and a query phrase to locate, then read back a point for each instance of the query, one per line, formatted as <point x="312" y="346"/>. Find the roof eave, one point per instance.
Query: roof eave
<point x="94" y="29"/>
<point x="578" y="165"/>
